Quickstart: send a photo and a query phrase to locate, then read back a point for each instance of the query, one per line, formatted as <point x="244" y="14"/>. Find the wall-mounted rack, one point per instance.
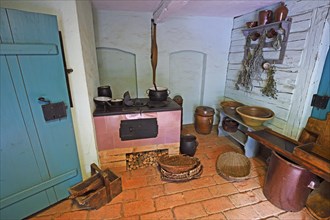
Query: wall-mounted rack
<point x="280" y="27"/>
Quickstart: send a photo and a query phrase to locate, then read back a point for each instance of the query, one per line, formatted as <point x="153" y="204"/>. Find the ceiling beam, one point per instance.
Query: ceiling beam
<point x="167" y="8"/>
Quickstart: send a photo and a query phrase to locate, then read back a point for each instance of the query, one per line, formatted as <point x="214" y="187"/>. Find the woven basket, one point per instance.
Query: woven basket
<point x="233" y="166"/>
<point x="182" y="177"/>
<point x="177" y="163"/>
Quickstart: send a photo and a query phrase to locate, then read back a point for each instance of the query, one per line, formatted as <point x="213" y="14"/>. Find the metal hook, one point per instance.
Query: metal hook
<point x="42" y="99"/>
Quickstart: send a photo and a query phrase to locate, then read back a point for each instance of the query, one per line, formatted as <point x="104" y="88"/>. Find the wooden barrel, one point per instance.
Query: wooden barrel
<point x="204" y="119"/>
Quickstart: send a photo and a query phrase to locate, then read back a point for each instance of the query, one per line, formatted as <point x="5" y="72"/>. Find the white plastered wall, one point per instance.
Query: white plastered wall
<point x="130" y="32"/>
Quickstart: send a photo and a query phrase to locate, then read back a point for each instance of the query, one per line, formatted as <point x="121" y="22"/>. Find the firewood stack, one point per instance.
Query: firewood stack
<point x="143" y="159"/>
<point x="179" y="168"/>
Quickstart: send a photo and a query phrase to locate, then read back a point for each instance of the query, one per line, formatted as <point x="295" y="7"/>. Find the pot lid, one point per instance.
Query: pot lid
<point x="204" y="111"/>
<point x="102" y="98"/>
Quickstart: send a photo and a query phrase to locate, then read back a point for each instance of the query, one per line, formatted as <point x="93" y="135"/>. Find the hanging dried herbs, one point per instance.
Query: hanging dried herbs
<point x="251" y="69"/>
<point x="270" y="87"/>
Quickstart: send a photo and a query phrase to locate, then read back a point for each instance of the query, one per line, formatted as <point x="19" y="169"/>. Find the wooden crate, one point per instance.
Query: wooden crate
<point x="97" y="190"/>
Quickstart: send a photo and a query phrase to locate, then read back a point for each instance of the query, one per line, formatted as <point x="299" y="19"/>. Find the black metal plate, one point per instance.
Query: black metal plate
<point x="54" y="111"/>
<point x="138" y="129"/>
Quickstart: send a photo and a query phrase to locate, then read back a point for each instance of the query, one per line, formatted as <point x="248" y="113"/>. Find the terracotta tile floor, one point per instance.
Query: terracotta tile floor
<point x="145" y="196"/>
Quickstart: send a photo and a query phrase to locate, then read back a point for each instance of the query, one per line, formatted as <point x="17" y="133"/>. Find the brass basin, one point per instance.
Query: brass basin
<point x="255" y="115"/>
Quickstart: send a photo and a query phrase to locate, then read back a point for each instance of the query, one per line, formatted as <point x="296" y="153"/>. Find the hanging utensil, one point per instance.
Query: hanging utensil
<point x="154" y="52"/>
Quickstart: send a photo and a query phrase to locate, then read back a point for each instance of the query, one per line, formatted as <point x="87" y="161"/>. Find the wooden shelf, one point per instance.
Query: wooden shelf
<point x="280" y="27"/>
<point x="277" y="26"/>
<point x="250" y="145"/>
<point x="239" y="136"/>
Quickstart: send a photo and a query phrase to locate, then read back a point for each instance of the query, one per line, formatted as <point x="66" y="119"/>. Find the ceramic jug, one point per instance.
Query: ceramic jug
<point x="188" y="144"/>
<point x="265" y="17"/>
<point x="281" y="12"/>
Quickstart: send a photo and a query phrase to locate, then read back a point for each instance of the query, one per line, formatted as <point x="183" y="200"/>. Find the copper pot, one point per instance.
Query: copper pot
<point x="287" y="185"/>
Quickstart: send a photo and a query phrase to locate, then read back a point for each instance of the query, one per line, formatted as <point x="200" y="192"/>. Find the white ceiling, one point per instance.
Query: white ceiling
<point x="211" y="8"/>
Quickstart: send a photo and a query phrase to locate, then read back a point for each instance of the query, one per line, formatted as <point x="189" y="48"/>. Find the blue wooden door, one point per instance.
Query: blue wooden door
<point x="39" y="160"/>
<point x="323" y="90"/>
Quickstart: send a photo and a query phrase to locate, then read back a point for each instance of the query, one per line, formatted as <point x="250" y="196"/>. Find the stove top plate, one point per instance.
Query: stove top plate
<point x="141" y="105"/>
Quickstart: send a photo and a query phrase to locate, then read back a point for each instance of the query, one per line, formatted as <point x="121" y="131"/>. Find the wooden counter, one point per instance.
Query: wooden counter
<point x="289" y="148"/>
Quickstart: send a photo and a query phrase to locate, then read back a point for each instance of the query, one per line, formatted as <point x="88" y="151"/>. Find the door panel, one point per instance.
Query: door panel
<point x="323" y="90"/>
<point x="44" y="76"/>
<point x="15" y="140"/>
<point x="39" y="159"/>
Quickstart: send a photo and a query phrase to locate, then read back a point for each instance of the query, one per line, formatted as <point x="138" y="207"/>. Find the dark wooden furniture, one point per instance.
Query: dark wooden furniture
<point x="286" y="147"/>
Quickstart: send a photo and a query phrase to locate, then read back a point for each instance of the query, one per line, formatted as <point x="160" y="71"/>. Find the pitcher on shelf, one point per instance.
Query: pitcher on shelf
<point x="265" y="17"/>
<point x="281" y="12"/>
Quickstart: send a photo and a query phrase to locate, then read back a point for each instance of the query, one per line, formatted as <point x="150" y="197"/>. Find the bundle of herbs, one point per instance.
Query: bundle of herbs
<point x="270" y="87"/>
<point x="251" y="69"/>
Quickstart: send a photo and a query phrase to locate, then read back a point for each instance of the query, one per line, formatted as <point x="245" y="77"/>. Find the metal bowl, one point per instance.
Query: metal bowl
<point x="255" y="115"/>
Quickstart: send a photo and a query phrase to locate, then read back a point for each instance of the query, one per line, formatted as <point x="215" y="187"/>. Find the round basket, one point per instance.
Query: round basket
<point x="233" y="166"/>
<point x="182" y="177"/>
<point x="229" y="107"/>
<point x="177" y="163"/>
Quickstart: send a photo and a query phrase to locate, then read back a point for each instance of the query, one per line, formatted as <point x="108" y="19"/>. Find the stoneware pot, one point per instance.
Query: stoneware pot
<point x="188" y="144"/>
<point x="204" y="119"/>
<point x="265" y="17"/>
<point x="271" y="33"/>
<point x="281" y="13"/>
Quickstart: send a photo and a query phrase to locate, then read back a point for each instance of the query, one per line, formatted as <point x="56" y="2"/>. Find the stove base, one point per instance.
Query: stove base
<point x="116" y="158"/>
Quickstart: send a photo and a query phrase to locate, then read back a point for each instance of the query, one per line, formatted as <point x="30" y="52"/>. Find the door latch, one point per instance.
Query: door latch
<point x="320" y="102"/>
<point x="53" y="111"/>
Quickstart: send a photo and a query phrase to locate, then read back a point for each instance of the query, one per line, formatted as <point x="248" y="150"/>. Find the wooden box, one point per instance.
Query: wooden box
<point x="314" y="154"/>
<point x="97" y="190"/>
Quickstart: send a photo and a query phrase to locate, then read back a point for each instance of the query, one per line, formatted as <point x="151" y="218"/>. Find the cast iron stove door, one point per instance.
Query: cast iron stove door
<point x="138" y="129"/>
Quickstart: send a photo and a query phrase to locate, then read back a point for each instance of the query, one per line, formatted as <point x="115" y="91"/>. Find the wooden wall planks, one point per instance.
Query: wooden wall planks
<point x="294" y="76"/>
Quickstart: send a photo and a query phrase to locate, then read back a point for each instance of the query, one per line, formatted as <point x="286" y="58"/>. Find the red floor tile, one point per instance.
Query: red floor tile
<point x="146" y="196"/>
<point x="189" y="211"/>
<point x="217" y="205"/>
<point x="197" y="195"/>
<point x="138" y="207"/>
<point x="169" y="201"/>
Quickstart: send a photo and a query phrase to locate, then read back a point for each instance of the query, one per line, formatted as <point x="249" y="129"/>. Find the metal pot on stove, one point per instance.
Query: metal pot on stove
<point x="102" y="101"/>
<point x="116" y="102"/>
<point x="104" y="91"/>
<point x="160" y="94"/>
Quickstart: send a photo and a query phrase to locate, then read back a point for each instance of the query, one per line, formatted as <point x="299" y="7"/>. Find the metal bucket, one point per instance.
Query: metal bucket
<point x="287" y="185"/>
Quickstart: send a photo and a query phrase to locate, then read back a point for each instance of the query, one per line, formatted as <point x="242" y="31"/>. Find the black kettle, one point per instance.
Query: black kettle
<point x="104" y="91"/>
